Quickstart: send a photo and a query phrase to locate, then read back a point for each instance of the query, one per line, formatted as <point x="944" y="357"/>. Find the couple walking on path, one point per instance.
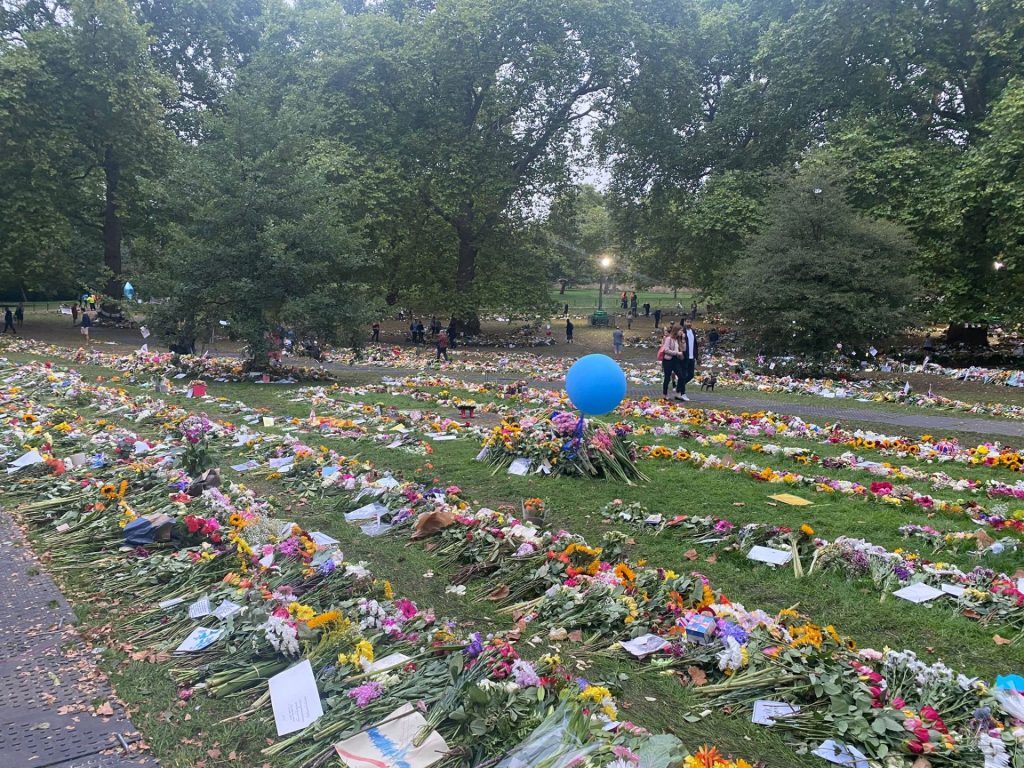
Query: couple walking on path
<point x="678" y="355"/>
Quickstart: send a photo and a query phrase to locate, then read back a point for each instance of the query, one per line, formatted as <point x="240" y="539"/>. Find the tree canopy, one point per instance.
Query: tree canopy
<point x="426" y="153"/>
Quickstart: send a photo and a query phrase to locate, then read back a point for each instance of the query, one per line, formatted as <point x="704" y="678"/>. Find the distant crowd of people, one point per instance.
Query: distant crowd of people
<point x="12" y="317"/>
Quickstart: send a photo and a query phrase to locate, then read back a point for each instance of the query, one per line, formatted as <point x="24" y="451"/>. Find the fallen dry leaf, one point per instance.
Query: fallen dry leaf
<point x="500" y="593"/>
<point x="1000" y="640"/>
<point x="691" y="554"/>
<point x="711" y="559"/>
<point x="697" y="676"/>
<point x="104" y="709"/>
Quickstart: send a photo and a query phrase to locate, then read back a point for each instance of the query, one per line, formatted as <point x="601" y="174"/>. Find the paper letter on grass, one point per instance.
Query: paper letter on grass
<point x="389" y="743"/>
<point x="295" y="698"/>
<point x="919" y="593"/>
<point x="770" y="555"/>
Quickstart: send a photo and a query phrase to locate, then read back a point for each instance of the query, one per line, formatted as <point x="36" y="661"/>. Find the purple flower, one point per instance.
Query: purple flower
<point x="524" y="674"/>
<point x="727" y="629"/>
<point x="327" y="566"/>
<point x="901" y="573"/>
<point x="475" y="647"/>
<point x="364" y="694"/>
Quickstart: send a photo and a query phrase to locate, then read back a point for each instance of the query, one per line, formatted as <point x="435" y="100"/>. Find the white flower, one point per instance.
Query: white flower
<point x="994" y="752"/>
<point x="282" y="636"/>
<point x="455" y="589"/>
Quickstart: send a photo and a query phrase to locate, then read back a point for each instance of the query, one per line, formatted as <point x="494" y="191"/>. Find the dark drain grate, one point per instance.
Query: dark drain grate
<point x="22" y="746"/>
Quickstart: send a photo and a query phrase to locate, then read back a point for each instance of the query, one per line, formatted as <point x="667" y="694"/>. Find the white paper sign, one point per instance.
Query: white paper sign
<point x="389" y="744"/>
<point x="226" y="609"/>
<point x="246" y="466"/>
<point x="390" y="661"/>
<point x="282" y="461"/>
<point x="295" y="698"/>
<point x="519" y="467"/>
<point x="199" y="608"/>
<point x="953" y="589"/>
<point x="322" y="539"/>
<point x="440" y="438"/>
<point x="375" y="529"/>
<point x="770" y="555"/>
<point x="842" y="754"/>
<point x="765" y="711"/>
<point x="918" y="593"/>
<point x="168" y="604"/>
<point x="872" y="351"/>
<point x="268" y="421"/>
<point x="144" y="331"/>
<point x="25" y="460"/>
<point x="369" y="512"/>
<point x="644" y="645"/>
<point x="198" y="639"/>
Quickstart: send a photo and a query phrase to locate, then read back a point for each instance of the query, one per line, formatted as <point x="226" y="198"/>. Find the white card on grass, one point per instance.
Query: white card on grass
<point x="390" y="743"/>
<point x="376" y="528"/>
<point x="842" y="754"/>
<point x="369" y="512"/>
<point x="519" y="466"/>
<point x="199" y="608"/>
<point x="246" y="466"/>
<point x="167" y="604"/>
<point x="388" y="662"/>
<point x="199" y="638"/>
<point x="440" y="438"/>
<point x="225" y="609"/>
<point x="765" y="711"/>
<point x="770" y="555"/>
<point x="644" y="645"/>
<point x="294" y="698"/>
<point x="322" y="539"/>
<point x="918" y="593"/>
<point x="953" y="589"/>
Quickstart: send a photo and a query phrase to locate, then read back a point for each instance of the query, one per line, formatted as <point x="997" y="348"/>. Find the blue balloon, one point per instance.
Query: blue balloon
<point x="596" y="384"/>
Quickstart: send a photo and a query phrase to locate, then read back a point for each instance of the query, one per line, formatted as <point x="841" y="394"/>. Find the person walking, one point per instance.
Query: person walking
<point x="693" y="311"/>
<point x="647" y="309"/>
<point x="9" y="321"/>
<point x="617" y="341"/>
<point x="19" y="314"/>
<point x="633" y="304"/>
<point x="568" y="331"/>
<point x="687" y="365"/>
<point x="74" y="314"/>
<point x="713" y="338"/>
<point x="667" y="354"/>
<point x="624" y="300"/>
<point x="657" y="317"/>
<point x="85" y="325"/>
<point x="442" y="344"/>
<point x="375" y="336"/>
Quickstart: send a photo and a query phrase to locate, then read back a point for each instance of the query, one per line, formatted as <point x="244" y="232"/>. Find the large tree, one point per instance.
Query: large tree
<point x="81" y="125"/>
<point x="472" y="108"/>
<point x="818" y="272"/>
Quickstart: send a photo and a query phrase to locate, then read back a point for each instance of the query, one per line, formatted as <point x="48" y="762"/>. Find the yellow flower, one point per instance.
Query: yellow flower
<point x="806" y="529"/>
<point x="389" y="593"/>
<point x="327" y="617"/>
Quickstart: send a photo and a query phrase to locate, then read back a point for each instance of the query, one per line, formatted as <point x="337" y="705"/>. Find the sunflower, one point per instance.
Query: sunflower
<point x="108" y="491"/>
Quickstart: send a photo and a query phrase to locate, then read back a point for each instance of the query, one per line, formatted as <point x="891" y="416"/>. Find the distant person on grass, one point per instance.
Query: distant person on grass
<point x="667" y="354"/>
<point x="713" y="340"/>
<point x="687" y="363"/>
<point x="9" y="321"/>
<point x="74" y="314"/>
<point x="657" y="317"/>
<point x="568" y="331"/>
<point x="442" y="344"/>
<point x="375" y="336"/>
<point x="86" y="325"/>
<point x="19" y="314"/>
<point x="617" y="341"/>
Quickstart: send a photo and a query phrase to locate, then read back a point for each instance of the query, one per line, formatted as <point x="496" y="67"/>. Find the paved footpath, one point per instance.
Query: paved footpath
<point x="913" y="420"/>
<point x="54" y="700"/>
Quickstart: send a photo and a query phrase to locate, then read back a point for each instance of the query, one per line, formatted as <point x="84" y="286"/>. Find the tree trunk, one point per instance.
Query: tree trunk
<point x="465" y="277"/>
<point x="111" y="223"/>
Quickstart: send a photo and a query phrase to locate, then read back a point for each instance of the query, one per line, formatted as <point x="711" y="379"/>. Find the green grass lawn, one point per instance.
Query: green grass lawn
<point x="184" y="733"/>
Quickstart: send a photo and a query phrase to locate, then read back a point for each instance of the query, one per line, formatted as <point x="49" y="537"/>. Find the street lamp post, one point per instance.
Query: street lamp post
<point x="605" y="263"/>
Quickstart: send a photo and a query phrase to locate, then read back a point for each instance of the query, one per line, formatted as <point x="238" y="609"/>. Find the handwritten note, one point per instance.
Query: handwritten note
<point x="769" y="555"/>
<point x="294" y="698"/>
<point x="389" y="744"/>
